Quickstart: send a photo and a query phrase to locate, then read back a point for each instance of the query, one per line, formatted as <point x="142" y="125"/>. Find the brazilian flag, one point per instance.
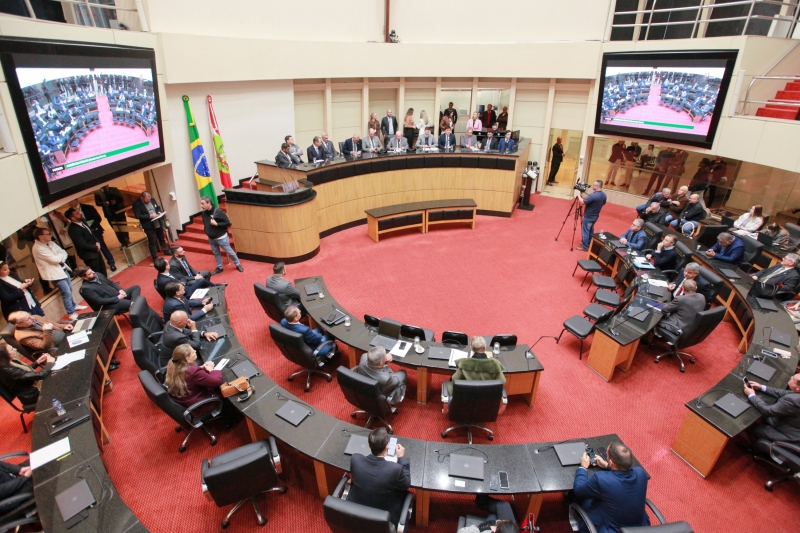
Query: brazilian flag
<point x="201" y="172"/>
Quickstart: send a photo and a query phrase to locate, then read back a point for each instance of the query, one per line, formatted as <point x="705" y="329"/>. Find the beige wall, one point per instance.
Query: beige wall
<point x="347" y="118"/>
<point x="309" y="116"/>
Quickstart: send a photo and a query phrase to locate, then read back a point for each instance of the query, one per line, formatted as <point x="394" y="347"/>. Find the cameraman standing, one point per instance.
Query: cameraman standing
<point x="593" y="203"/>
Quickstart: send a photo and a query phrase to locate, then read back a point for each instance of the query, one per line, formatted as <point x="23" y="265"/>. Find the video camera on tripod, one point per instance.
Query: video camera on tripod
<point x="583" y="187"/>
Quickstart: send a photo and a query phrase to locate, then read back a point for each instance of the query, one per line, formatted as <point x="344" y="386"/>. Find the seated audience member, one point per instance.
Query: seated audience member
<point x="397" y="143"/>
<point x="468" y="140"/>
<point x="665" y="257"/>
<point x="501" y="517"/>
<point x="375" y="364"/>
<point x="284" y="159"/>
<point x="176" y="300"/>
<point x="749" y="223"/>
<point x="491" y="142"/>
<point x="782" y="418"/>
<point x="36" y="333"/>
<point x="287" y="293"/>
<point x="682" y="311"/>
<point x="312" y="337"/>
<point x="165" y="276"/>
<point x="662" y="198"/>
<point x="690" y="217"/>
<point x="14" y="294"/>
<point x="352" y="146"/>
<point x="379" y="483"/>
<point x="781" y="281"/>
<point x="447" y="141"/>
<point x="372" y="142"/>
<point x="692" y="272"/>
<point x="635" y="238"/>
<point x="426" y="140"/>
<point x="315" y="151"/>
<point x="654" y="214"/>
<point x="327" y="146"/>
<point x="179" y="265"/>
<point x="779" y="235"/>
<point x="188" y="383"/>
<point x="14" y="479"/>
<point x="615" y="496"/>
<point x="99" y="291"/>
<point x="677" y="204"/>
<point x="20" y="379"/>
<point x="180" y="330"/>
<point x="506" y="144"/>
<point x="729" y="249"/>
<point x="480" y="366"/>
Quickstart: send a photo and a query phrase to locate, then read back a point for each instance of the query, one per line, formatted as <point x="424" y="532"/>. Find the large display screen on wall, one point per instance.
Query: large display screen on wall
<point x="673" y="97"/>
<point x="88" y="113"/>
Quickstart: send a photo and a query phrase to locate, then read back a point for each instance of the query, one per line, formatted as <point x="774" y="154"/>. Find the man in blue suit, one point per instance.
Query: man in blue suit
<point x="614" y="497"/>
<point x="176" y="301"/>
<point x="312" y="337"/>
<point x="447" y="141"/>
<point x="635" y="238"/>
<point x="729" y="248"/>
<point x="506" y="143"/>
<point x="352" y="146"/>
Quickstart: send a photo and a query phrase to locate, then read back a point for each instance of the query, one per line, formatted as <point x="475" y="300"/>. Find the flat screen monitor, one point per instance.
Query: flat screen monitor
<point x="88" y="113"/>
<point x="672" y="97"/>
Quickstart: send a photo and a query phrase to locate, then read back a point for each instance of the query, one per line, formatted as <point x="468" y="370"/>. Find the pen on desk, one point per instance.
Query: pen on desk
<point x="64" y="456"/>
<point x="62" y="421"/>
<point x="311" y="299"/>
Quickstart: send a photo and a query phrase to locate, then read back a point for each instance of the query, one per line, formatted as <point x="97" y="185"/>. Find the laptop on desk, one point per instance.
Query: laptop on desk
<point x="766" y="305"/>
<point x="764" y="239"/>
<point x="357" y="444"/>
<point x="616" y="244"/>
<point x="730" y="274"/>
<point x="732" y="405"/>
<point x="780" y="337"/>
<point x="311" y="289"/>
<point x="219" y="329"/>
<point x="439" y="353"/>
<point x="245" y="369"/>
<point x="761" y="370"/>
<point x="653" y="290"/>
<point x="570" y="453"/>
<point x="467" y="466"/>
<point x="74" y="500"/>
<point x="293" y="412"/>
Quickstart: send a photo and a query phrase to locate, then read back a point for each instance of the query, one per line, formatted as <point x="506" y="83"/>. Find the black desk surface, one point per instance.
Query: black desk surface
<point x="626" y="328"/>
<point x="419" y="206"/>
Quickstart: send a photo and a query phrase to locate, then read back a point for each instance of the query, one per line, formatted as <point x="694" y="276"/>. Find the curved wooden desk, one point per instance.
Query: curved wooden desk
<point x="346" y="187"/>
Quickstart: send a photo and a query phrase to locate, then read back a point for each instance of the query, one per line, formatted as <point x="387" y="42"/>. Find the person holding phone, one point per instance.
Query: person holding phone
<point x="781" y="419"/>
<point x="375" y="364"/>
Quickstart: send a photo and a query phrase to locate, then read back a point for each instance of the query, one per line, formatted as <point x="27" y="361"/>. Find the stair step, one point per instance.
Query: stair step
<point x="777" y="113"/>
<point x="792" y="86"/>
<point x="788" y="95"/>
<point x="193" y="228"/>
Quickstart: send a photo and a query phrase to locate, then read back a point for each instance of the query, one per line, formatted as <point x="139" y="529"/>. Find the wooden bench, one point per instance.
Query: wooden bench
<point x="420" y="215"/>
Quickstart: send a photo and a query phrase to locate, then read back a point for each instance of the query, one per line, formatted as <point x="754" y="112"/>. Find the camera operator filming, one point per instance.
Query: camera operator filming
<point x="593" y="203"/>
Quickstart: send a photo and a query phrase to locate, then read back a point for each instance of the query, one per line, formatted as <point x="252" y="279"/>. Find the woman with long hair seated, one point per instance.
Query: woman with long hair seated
<point x="188" y="383"/>
<point x="20" y="379"/>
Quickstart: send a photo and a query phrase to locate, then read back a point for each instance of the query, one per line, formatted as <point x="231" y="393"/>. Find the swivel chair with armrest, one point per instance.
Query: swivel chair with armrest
<point x="794" y="234"/>
<point x="410" y="332"/>
<point x="372" y="322"/>
<point x="708" y="233"/>
<point x="20" y="508"/>
<point x="7" y="334"/>
<point x="22" y="410"/>
<point x="752" y="251"/>
<point x="653" y="235"/>
<point x="472" y="402"/>
<point x="293" y="347"/>
<point x="190" y="418"/>
<point x="455" y="337"/>
<point x="365" y="394"/>
<point x="269" y="302"/>
<point x="242" y="474"/>
<point x="159" y="290"/>
<point x="144" y="317"/>
<point x="578" y="515"/>
<point x="343" y="516"/>
<point x="145" y="353"/>
<point x="784" y="456"/>
<point x="581" y="328"/>
<point x="504" y="340"/>
<point x="703" y="325"/>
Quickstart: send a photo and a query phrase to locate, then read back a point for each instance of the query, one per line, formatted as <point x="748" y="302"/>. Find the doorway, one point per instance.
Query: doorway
<point x="567" y="171"/>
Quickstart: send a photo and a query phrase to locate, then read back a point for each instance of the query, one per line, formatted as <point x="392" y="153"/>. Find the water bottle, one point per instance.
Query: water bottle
<point x="347" y="321"/>
<point x="496" y="348"/>
<point x="58" y="408"/>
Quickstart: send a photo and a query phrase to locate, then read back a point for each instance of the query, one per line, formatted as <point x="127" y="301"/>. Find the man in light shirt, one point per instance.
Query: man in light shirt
<point x="372" y="143"/>
<point x="468" y="140"/>
<point x="398" y="143"/>
<point x="426" y="140"/>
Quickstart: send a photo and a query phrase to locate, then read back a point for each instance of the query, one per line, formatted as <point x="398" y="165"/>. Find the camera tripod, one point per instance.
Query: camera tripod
<point x="576" y="210"/>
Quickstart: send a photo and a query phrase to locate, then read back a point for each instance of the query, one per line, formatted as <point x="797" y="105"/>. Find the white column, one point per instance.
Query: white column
<point x="473" y="101"/>
<point x="548" y="118"/>
<point x="512" y="96"/>
<point x="401" y="103"/>
<point x="328" y="109"/>
<point x="437" y="105"/>
<point x="365" y="107"/>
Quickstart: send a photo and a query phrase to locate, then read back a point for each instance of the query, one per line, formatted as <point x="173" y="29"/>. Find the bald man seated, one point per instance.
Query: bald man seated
<point x="180" y="330"/>
<point x="36" y="332"/>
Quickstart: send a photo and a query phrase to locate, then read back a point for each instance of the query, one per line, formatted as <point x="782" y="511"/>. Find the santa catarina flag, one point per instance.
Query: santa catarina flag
<point x="219" y="148"/>
<point x="201" y="172"/>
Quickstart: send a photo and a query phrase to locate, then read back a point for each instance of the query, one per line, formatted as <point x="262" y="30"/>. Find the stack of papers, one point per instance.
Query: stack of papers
<point x="77" y="339"/>
<point x="455" y="355"/>
<point x="63" y="360"/>
<point x="49" y="453"/>
<point x="657" y="282"/>
<point x="198" y="294"/>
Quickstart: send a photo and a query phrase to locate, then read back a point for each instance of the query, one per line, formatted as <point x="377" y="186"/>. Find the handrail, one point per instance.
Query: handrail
<point x="708" y="6"/>
<point x="756" y="78"/>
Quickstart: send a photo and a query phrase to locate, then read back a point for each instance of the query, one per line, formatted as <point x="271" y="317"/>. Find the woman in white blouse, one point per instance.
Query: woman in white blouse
<point x="475" y="123"/>
<point x="750" y="222"/>
<point x="424" y="122"/>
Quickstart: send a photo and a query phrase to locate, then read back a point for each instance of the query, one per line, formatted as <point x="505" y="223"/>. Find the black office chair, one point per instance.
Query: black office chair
<point x="708" y="233"/>
<point x="781" y="455"/>
<point x="7" y="334"/>
<point x="696" y="333"/>
<point x="654" y="234"/>
<point x="145" y="353"/>
<point x="578" y="515"/>
<point x="293" y="347"/>
<point x="716" y="283"/>
<point x="144" y="317"/>
<point x="187" y="418"/>
<point x="580" y="328"/>
<point x="159" y="290"/>
<point x="241" y="475"/>
<point x="469" y="520"/>
<point x="365" y="394"/>
<point x="603" y="282"/>
<point x="343" y="516"/>
<point x="372" y="322"/>
<point x="269" y="302"/>
<point x="341" y="147"/>
<point x="455" y="337"/>
<point x="472" y="402"/>
<point x="594" y="267"/>
<point x="410" y="332"/>
<point x="504" y="340"/>
<point x="752" y="251"/>
<point x="390" y="328"/>
<point x="684" y="254"/>
<point x="20" y="508"/>
<point x="610" y="297"/>
<point x="23" y="409"/>
<point x="794" y="234"/>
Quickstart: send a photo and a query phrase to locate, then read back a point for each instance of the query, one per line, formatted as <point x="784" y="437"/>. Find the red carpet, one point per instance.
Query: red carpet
<point x="506" y="276"/>
<point x="790" y="94"/>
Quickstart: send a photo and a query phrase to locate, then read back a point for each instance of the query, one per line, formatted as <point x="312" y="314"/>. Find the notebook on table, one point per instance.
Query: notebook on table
<point x="245" y="369"/>
<point x="384" y="342"/>
<point x="219" y="329"/>
<point x="71" y="418"/>
<point x="357" y="444"/>
<point x="333" y="318"/>
<point x="467" y="466"/>
<point x="74" y="500"/>
<point x="761" y="370"/>
<point x="780" y="337"/>
<point x="437" y="352"/>
<point x="570" y="453"/>
<point x="311" y="289"/>
<point x="766" y="305"/>
<point x="730" y="274"/>
<point x="293" y="412"/>
<point x="732" y="405"/>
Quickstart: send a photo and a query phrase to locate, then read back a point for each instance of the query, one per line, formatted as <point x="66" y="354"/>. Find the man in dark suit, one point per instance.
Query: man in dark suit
<point x="146" y="210"/>
<point x="665" y="257"/>
<point x="782" y="281"/>
<point x="729" y="248"/>
<point x="489" y="116"/>
<point x="555" y="161"/>
<point x="782" y="422"/>
<point x="388" y="126"/>
<point x="85" y="242"/>
<point x="379" y="483"/>
<point x="285" y="159"/>
<point x="447" y="141"/>
<point x="176" y="301"/>
<point x="692" y="272"/>
<point x="491" y="141"/>
<point x="682" y="311"/>
<point x="315" y="151"/>
<point x="327" y="146"/>
<point x="92" y="219"/>
<point x="165" y="276"/>
<point x="180" y="330"/>
<point x="453" y="114"/>
<point x="314" y="338"/>
<point x="615" y="496"/>
<point x="287" y="293"/>
<point x="506" y="144"/>
<point x="179" y="265"/>
<point x="352" y="146"/>
<point x="99" y="291"/>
